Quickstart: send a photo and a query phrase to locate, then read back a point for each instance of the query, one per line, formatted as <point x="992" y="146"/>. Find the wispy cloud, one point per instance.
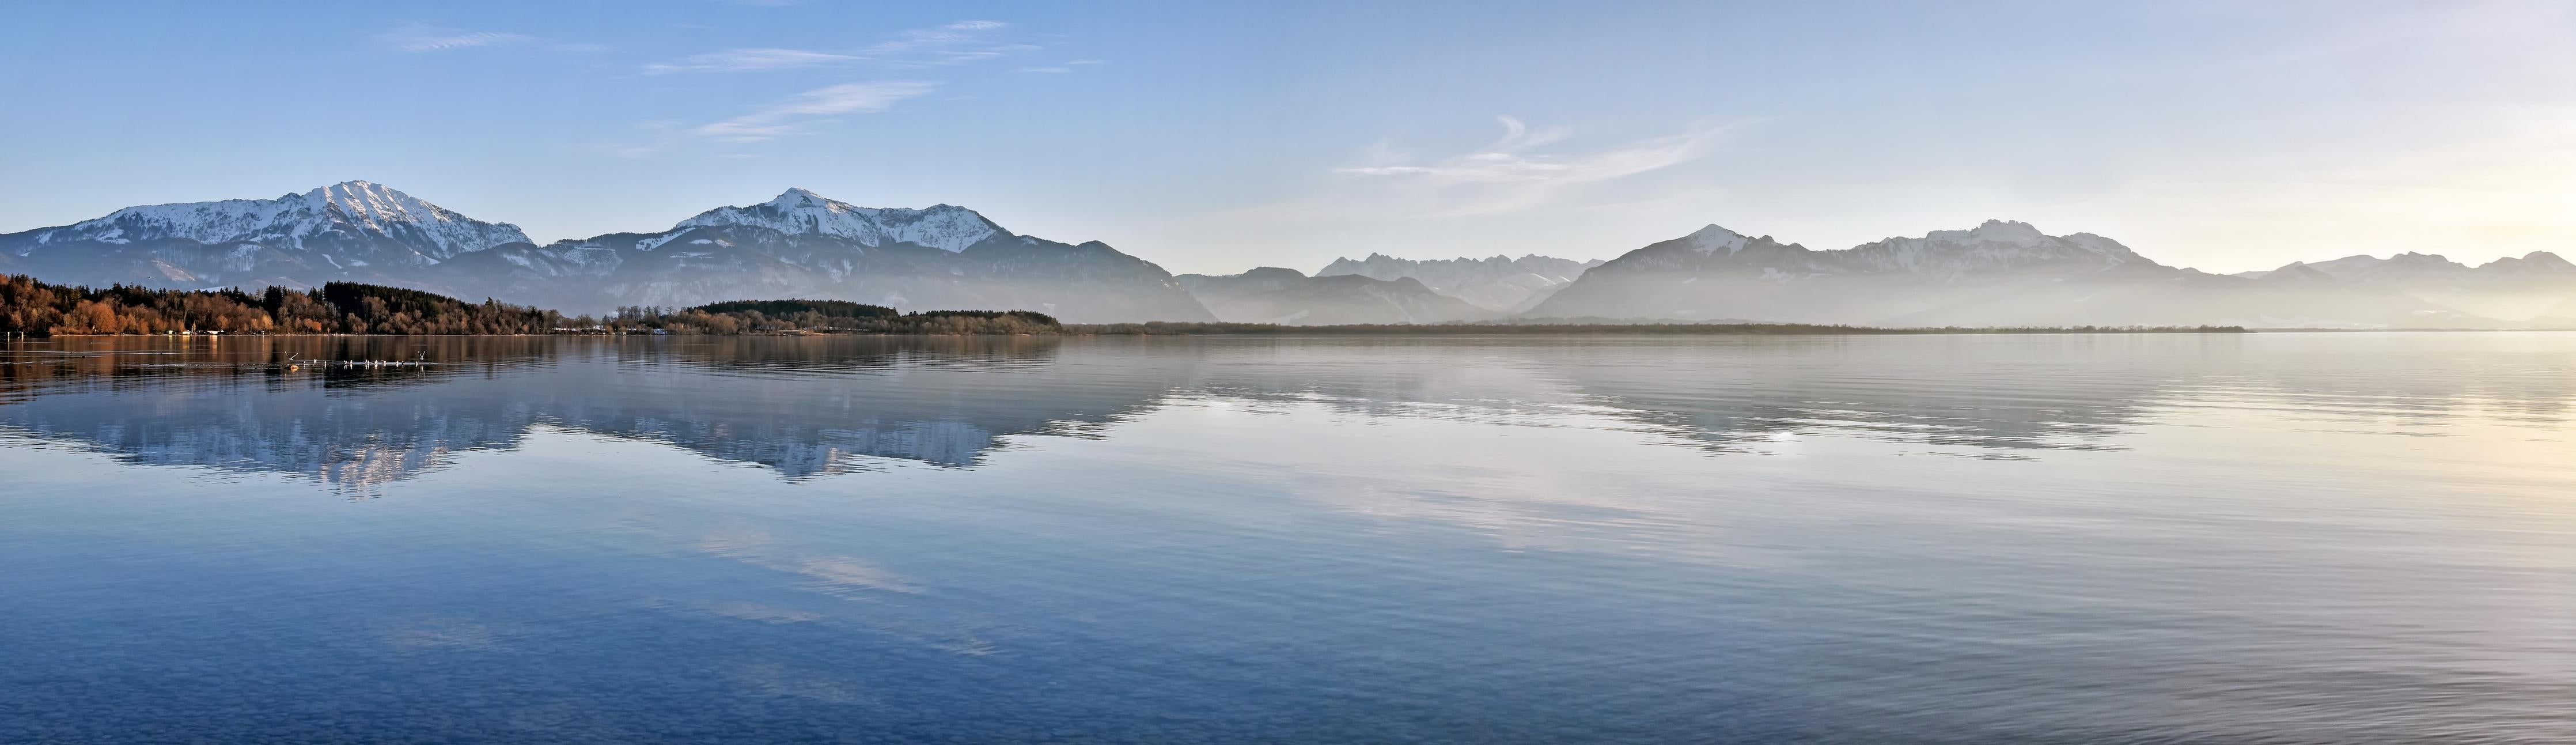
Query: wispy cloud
<point x="1061" y="67"/>
<point x="748" y="60"/>
<point x="421" y="38"/>
<point x="1514" y="173"/>
<point x="416" y="37"/>
<point x="785" y="117"/>
<point x="951" y="44"/>
<point x="956" y="43"/>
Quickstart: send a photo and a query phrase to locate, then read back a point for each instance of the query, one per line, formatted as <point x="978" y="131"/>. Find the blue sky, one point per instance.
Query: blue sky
<point x="1214" y="137"/>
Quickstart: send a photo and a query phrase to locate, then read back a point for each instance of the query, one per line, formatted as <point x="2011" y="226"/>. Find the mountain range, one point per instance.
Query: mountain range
<point x="803" y="245"/>
<point x="346" y="230"/>
<point x="2534" y="287"/>
<point x="1500" y="284"/>
<point x="797" y="245"/>
<point x="1275" y="295"/>
<point x="1997" y="274"/>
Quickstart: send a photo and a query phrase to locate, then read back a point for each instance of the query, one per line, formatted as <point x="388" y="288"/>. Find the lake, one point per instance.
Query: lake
<point x="2227" y="538"/>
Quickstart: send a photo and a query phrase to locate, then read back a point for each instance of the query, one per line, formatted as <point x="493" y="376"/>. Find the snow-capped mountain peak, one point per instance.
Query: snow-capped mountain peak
<point x="289" y="220"/>
<point x="381" y="208"/>
<point x="1712" y="239"/>
<point x="798" y="211"/>
<point x="2013" y="232"/>
<point x="1994" y="246"/>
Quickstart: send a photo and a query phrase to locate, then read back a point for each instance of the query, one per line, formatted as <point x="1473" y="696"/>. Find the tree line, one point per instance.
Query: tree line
<point x="32" y="308"/>
<point x="1543" y="326"/>
<point x="823" y="316"/>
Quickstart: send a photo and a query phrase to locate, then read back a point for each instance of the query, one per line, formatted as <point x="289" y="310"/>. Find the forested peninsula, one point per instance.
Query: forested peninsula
<point x="35" y="309"/>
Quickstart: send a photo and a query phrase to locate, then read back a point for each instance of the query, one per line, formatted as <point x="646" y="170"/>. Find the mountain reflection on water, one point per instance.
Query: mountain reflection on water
<point x="816" y="406"/>
<point x="1964" y="540"/>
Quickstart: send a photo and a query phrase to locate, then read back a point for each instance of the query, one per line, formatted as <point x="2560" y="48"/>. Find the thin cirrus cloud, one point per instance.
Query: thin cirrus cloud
<point x="788" y="116"/>
<point x="1062" y="67"/>
<point x="956" y="43"/>
<point x="749" y="60"/>
<point x="951" y="44"/>
<point x="420" y="38"/>
<point x="1516" y="172"/>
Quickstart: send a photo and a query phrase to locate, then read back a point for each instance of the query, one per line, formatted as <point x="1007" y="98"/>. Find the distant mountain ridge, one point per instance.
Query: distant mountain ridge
<point x="1498" y="283"/>
<point x="1999" y="273"/>
<point x="2537" y="287"/>
<point x="1286" y="296"/>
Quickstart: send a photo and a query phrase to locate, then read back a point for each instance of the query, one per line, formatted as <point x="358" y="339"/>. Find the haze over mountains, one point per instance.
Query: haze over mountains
<point x="1275" y="295"/>
<point x="801" y="244"/>
<point x="1501" y="284"/>
<point x="1997" y="274"/>
<point x="2533" y="287"/>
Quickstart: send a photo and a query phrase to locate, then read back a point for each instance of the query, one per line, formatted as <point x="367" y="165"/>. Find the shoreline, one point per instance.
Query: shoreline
<point x="1087" y="330"/>
<point x="1091" y="331"/>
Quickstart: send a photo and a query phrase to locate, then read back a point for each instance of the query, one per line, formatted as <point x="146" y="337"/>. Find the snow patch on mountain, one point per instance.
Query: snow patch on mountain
<point x="649" y="244"/>
<point x="1993" y="246"/>
<point x="944" y="227"/>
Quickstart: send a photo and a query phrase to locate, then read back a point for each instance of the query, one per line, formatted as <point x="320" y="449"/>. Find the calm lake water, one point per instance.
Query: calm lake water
<point x="2266" y="538"/>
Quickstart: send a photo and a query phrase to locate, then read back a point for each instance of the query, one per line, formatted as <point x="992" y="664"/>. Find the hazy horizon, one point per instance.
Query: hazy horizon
<point x="1215" y="139"/>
